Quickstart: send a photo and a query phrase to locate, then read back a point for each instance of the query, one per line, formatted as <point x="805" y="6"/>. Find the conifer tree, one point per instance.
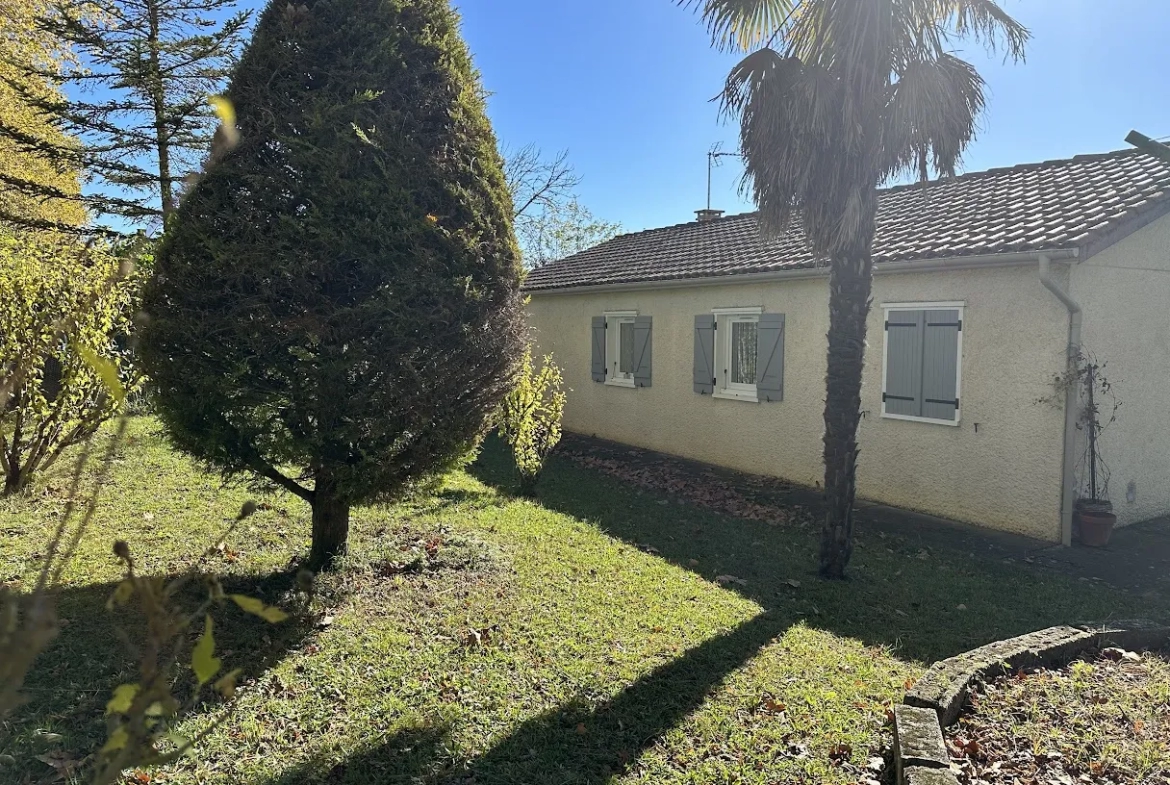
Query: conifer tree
<point x="26" y="51"/>
<point x="137" y="119"/>
<point x="335" y="308"/>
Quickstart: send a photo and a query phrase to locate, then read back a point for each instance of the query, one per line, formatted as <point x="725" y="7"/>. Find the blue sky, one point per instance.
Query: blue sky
<point x="625" y="87"/>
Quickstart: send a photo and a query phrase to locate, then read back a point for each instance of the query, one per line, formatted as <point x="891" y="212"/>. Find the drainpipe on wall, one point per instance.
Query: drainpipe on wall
<point x="1068" y="484"/>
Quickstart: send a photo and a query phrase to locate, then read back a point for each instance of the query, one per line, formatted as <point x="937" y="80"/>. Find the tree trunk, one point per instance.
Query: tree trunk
<point x="15" y="481"/>
<point x="159" y="106"/>
<point x="850" y="286"/>
<point x="330" y="526"/>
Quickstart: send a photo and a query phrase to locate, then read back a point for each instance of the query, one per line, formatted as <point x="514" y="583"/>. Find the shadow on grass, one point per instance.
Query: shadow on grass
<point x="924" y="603"/>
<point x="72" y="680"/>
<point x="578" y="743"/>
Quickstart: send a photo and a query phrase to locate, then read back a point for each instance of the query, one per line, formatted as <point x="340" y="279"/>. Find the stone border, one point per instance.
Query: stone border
<point x="920" y="755"/>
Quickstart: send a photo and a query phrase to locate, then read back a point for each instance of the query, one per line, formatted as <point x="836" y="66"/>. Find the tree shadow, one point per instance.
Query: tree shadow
<point x="578" y="743"/>
<point x="407" y="757"/>
<point x="71" y="681"/>
<point x="926" y="597"/>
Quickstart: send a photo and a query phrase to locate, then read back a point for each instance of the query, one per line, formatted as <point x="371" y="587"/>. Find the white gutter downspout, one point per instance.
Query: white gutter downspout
<point x="1075" y="318"/>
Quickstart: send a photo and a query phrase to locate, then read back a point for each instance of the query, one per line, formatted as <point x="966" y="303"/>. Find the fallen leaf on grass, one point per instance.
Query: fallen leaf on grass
<point x="63" y="764"/>
<point x="724" y="580"/>
<point x="793" y="583"/>
<point x="773" y="706"/>
<point x="840" y="752"/>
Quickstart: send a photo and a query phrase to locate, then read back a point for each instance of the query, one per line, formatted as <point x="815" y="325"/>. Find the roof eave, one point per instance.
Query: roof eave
<point x="984" y="261"/>
<point x="1126" y="228"/>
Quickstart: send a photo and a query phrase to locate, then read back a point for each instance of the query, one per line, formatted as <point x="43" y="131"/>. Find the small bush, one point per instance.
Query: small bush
<point x="65" y="317"/>
<point x="530" y="418"/>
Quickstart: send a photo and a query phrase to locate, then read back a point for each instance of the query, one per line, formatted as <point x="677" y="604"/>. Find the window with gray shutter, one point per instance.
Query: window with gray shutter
<point x="922" y="363"/>
<point x="770" y="357"/>
<point x="597" y="367"/>
<point x="643" y="350"/>
<point x="704" y="368"/>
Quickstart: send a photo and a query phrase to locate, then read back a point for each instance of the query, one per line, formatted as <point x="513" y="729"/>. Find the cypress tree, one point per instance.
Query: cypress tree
<point x="336" y="307"/>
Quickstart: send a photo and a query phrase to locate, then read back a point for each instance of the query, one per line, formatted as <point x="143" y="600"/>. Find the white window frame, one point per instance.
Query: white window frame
<point x="724" y="387"/>
<point x="887" y="309"/>
<point x="613" y="348"/>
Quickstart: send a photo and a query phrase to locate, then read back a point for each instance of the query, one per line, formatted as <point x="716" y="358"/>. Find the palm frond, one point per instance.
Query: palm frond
<point x="790" y="135"/>
<point x="986" y="22"/>
<point x="931" y="116"/>
<point x="743" y="25"/>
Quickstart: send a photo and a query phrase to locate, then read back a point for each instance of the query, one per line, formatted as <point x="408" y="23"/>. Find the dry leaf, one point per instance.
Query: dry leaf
<point x="724" y="580"/>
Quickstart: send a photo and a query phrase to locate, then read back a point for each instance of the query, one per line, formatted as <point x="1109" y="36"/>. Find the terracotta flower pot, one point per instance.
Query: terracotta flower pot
<point x="1096" y="528"/>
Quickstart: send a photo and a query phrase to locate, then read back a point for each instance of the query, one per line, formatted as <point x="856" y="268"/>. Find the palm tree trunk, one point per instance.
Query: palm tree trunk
<point x="330" y="525"/>
<point x="850" y="287"/>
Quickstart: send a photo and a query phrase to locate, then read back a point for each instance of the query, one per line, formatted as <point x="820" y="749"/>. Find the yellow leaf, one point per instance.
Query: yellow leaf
<point x="223" y="109"/>
<point x="118" y="740"/>
<point x="203" y="659"/>
<point x="252" y="605"/>
<point x="123" y="698"/>
<point x="121" y="595"/>
<point x="106" y="370"/>
<point x="226" y="685"/>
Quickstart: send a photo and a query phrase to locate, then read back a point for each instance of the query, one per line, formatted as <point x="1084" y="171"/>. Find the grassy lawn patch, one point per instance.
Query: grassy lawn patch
<point x="477" y="637"/>
<point x="1104" y="719"/>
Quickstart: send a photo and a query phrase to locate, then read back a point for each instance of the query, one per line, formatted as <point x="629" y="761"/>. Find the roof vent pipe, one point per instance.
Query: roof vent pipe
<point x="707" y="215"/>
<point x="1071" y="400"/>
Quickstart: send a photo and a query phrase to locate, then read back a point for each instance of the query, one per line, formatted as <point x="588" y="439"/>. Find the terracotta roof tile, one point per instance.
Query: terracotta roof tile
<point x="1032" y="207"/>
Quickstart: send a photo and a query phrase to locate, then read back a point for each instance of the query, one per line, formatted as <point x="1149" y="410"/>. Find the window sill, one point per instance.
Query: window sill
<point x="928" y="420"/>
<point x="619" y="382"/>
<point x="735" y="396"/>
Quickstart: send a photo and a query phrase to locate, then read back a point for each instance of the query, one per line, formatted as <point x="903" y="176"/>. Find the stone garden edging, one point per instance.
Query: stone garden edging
<point x="935" y="701"/>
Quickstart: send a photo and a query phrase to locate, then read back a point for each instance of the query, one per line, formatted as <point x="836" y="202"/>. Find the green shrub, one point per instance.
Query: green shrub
<point x="65" y="314"/>
<point x="530" y="418"/>
<point x="336" y="307"/>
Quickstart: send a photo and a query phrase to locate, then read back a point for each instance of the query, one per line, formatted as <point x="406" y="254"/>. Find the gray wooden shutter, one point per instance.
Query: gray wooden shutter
<point x="598" y="365"/>
<point x="643" y="350"/>
<point x="940" y="364"/>
<point x="902" y="393"/>
<point x="705" y="354"/>
<point x="770" y="357"/>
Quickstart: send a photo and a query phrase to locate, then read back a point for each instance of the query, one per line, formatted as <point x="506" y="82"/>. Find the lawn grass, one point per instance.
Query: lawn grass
<point x="478" y="637"/>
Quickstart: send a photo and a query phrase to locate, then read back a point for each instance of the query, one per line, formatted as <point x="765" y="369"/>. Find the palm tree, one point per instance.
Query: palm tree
<point x="835" y="98"/>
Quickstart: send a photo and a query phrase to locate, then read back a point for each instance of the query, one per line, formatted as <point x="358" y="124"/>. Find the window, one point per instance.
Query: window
<point x="739" y="354"/>
<point x="736" y="352"/>
<point x="619" y="349"/>
<point x="622" y="349"/>
<point x="922" y="364"/>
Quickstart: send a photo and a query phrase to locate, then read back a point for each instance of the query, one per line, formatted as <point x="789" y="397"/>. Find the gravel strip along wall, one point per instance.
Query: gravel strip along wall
<point x="920" y="756"/>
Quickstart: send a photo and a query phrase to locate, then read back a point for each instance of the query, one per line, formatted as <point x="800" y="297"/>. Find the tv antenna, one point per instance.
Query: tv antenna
<point x="713" y="155"/>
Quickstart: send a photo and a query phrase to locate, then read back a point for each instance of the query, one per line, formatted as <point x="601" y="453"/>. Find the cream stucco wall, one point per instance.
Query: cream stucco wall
<point x="1125" y="293"/>
<point x="1001" y="467"/>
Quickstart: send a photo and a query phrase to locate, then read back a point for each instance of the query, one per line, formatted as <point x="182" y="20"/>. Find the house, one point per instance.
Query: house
<point x="707" y="341"/>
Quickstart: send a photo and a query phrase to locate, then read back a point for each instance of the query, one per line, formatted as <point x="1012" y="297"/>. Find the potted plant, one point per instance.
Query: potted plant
<point x="1093" y="512"/>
